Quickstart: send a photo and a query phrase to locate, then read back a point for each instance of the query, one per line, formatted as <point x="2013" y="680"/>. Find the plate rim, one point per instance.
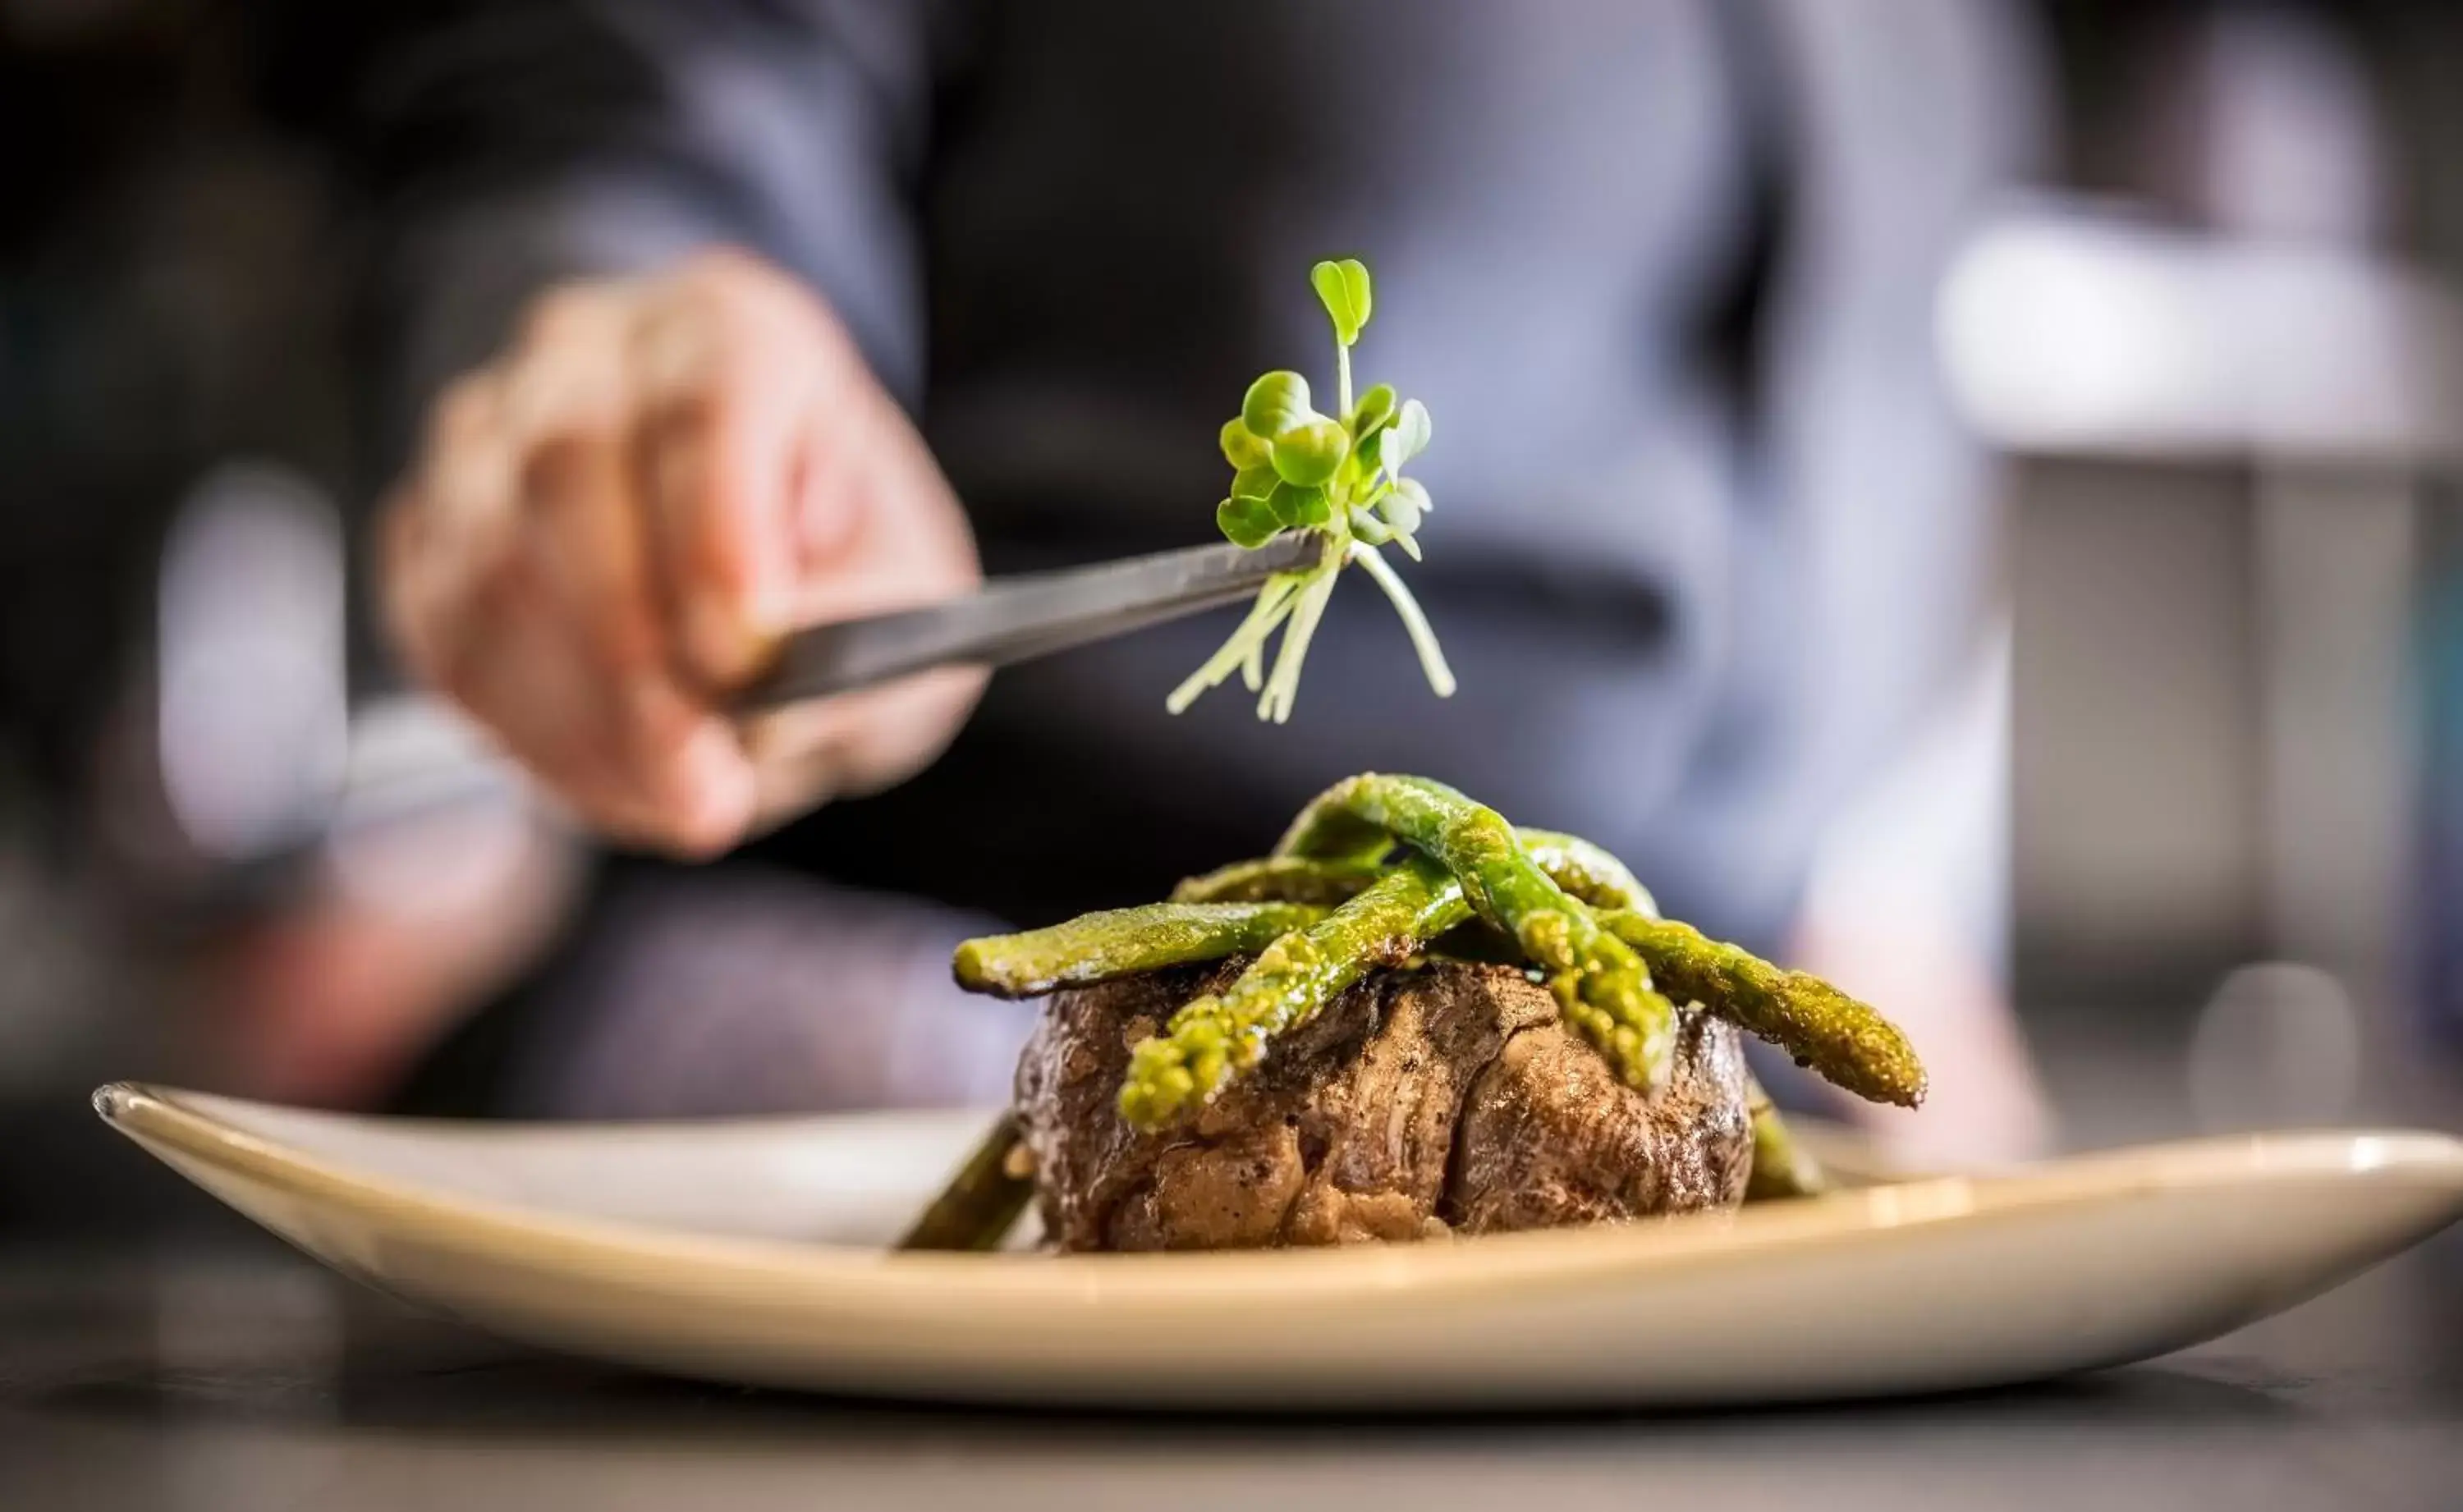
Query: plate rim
<point x="512" y="1233"/>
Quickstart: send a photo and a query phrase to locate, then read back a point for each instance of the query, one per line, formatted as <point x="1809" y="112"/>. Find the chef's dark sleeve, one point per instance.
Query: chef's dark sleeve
<point x="510" y="144"/>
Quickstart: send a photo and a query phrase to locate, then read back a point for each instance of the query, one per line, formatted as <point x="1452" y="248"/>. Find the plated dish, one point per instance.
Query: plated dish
<point x="756" y="1252"/>
<point x="1412" y="1021"/>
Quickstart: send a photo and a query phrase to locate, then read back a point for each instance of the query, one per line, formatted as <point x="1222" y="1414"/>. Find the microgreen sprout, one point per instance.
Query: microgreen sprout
<point x="1339" y="476"/>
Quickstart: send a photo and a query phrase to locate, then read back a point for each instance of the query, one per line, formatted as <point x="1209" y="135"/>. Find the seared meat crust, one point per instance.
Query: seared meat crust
<point x="1448" y="1098"/>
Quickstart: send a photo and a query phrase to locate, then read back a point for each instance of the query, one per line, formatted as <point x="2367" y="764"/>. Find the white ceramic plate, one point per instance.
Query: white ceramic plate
<point x="751" y="1251"/>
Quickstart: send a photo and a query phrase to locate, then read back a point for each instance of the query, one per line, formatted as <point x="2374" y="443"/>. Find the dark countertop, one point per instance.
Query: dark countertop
<point x="243" y="1379"/>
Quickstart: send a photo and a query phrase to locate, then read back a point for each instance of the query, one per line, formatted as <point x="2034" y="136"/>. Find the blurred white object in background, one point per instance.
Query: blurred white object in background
<point x="2070" y="331"/>
<point x="2270" y="331"/>
<point x="252" y="719"/>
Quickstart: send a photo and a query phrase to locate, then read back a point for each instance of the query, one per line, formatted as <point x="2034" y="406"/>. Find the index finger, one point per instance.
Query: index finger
<point x="722" y="393"/>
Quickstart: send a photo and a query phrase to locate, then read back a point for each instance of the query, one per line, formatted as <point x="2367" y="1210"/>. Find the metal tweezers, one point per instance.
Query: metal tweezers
<point x="434" y="761"/>
<point x="1017" y="618"/>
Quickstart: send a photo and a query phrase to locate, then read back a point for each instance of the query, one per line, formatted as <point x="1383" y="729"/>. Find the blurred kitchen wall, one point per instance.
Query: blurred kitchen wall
<point x="2231" y="365"/>
<point x="2221" y="698"/>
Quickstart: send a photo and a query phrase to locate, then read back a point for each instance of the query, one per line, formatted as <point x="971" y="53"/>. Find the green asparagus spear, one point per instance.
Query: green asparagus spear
<point x="1843" y="1039"/>
<point x="1217" y="1037"/>
<point x="1586" y="871"/>
<point x="1279" y="879"/>
<point x="1122" y="941"/>
<point x="1780" y="1166"/>
<point x="1837" y="1036"/>
<point x="1599" y="983"/>
<point x="982" y="1202"/>
<point x="1536" y="888"/>
<point x="1848" y="1043"/>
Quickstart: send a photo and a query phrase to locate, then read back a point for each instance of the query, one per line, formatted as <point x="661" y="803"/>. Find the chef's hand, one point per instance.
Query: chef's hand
<point x="609" y="525"/>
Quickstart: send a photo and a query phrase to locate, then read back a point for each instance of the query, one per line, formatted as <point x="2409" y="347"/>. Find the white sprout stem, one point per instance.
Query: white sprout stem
<point x="1424" y="640"/>
<point x="1253" y="664"/>
<point x="1274" y="602"/>
<point x="1343" y="382"/>
<point x="1282" y="690"/>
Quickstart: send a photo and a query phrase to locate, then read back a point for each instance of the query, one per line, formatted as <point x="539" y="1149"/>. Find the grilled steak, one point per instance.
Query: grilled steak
<point x="1449" y="1099"/>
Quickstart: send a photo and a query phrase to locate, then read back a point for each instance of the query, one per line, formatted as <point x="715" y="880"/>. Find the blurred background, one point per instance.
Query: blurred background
<point x="2203" y="796"/>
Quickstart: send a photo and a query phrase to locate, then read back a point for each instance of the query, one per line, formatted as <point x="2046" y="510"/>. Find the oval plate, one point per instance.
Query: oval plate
<point x="751" y="1251"/>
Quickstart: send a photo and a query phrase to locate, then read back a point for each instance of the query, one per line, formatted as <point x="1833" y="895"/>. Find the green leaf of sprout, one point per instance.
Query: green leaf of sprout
<point x="1301" y="506"/>
<point x="1246" y="523"/>
<point x="1242" y="447"/>
<point x="1275" y="404"/>
<point x="1342" y="288"/>
<point x="1374" y="412"/>
<point x="1310" y="453"/>
<point x="1254" y="482"/>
